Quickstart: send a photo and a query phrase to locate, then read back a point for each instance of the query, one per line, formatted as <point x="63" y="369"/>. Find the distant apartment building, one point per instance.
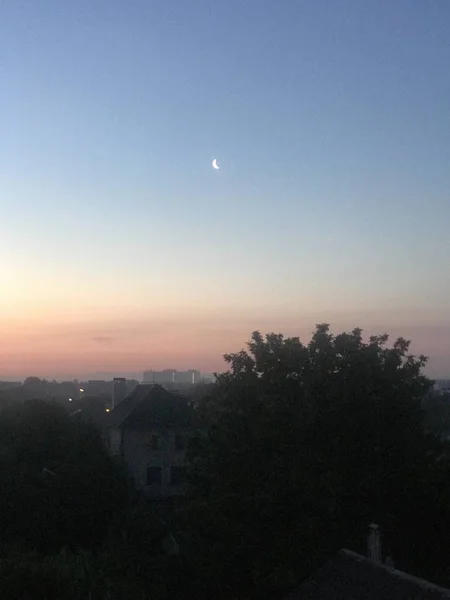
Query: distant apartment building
<point x="208" y="378"/>
<point x="172" y="376"/>
<point x="119" y="391"/>
<point x="189" y="376"/>
<point x="442" y="386"/>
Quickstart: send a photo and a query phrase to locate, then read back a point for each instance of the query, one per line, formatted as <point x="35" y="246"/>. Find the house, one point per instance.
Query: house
<point x="351" y="576"/>
<point x="149" y="429"/>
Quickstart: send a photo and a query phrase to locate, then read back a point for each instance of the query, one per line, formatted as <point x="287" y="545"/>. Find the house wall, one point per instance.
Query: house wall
<point x="138" y="453"/>
<point x="114" y="439"/>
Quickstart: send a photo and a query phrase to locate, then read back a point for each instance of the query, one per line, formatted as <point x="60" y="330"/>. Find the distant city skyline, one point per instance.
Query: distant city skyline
<point x="123" y="249"/>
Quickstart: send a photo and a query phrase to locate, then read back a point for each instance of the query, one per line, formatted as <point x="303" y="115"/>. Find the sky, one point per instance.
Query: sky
<point x="122" y="249"/>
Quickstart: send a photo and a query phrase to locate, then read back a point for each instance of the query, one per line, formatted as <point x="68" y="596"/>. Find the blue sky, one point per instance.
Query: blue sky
<point x="330" y="121"/>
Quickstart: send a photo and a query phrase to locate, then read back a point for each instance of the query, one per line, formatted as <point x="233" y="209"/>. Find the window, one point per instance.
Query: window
<point x="154" y="442"/>
<point x="177" y="475"/>
<point x="180" y="442"/>
<point x="153" y="475"/>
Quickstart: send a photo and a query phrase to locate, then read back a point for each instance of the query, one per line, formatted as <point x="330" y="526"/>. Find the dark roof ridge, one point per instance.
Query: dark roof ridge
<point x="129" y="404"/>
<point x="432" y="587"/>
<point x="166" y="408"/>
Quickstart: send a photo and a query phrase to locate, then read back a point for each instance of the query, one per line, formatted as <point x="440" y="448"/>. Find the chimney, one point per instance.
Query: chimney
<point x="374" y="543"/>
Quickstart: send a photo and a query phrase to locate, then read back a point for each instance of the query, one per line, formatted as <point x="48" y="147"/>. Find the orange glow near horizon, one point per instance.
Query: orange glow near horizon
<point x="77" y="346"/>
<point x="122" y="249"/>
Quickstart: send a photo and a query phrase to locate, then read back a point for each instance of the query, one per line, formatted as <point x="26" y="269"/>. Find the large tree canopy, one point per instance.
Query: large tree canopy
<point x="303" y="446"/>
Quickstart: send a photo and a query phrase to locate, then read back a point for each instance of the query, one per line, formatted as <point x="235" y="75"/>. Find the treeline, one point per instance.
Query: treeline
<point x="299" y="448"/>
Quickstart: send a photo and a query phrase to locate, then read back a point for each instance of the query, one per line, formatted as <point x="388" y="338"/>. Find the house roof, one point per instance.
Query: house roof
<point x="151" y="405"/>
<point x="350" y="576"/>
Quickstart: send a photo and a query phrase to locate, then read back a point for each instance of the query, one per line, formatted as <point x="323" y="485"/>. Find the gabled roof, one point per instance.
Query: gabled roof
<point x="151" y="405"/>
<point x="350" y="576"/>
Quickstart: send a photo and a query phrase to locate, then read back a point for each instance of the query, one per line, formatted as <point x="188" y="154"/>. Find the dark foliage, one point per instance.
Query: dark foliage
<point x="303" y="446"/>
<point x="72" y="525"/>
<point x="299" y="448"/>
<point x="59" y="485"/>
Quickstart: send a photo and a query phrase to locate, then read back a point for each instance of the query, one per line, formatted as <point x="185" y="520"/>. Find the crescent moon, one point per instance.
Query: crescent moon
<point x="214" y="164"/>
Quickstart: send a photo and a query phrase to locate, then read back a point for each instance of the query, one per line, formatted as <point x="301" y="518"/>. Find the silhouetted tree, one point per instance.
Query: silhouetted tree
<point x="303" y="446"/>
<point x="33" y="381"/>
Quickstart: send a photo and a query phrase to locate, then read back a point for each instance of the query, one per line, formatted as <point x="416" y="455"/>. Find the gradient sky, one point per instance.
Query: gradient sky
<point x="122" y="249"/>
